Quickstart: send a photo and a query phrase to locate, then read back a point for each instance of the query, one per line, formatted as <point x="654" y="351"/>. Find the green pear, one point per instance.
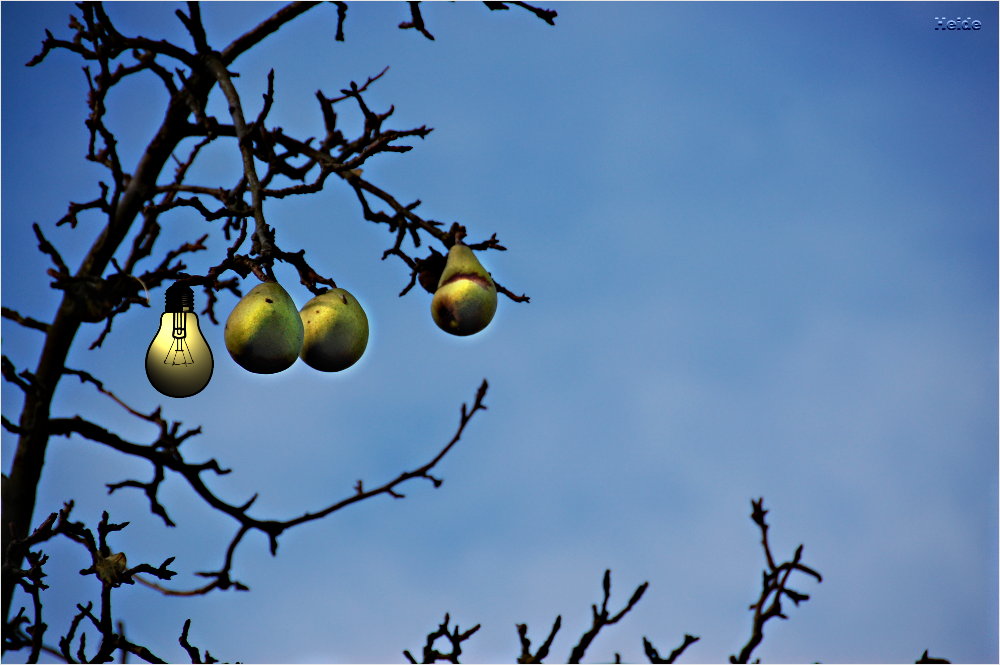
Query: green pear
<point x="336" y="331"/>
<point x="466" y="297"/>
<point x="264" y="332"/>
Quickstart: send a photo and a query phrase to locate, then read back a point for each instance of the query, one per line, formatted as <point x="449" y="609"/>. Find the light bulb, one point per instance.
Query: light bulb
<point x="179" y="362"/>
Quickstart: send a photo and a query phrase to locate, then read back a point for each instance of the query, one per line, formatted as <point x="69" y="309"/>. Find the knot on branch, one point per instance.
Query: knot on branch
<point x="97" y="299"/>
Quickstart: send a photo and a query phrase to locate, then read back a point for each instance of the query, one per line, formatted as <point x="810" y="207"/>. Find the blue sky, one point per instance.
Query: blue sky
<point x="761" y="245"/>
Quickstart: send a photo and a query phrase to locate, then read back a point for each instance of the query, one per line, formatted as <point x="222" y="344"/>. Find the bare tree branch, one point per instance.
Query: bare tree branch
<point x="543" y="651"/>
<point x="416" y="21"/>
<point x="774" y="586"/>
<point x="601" y="617"/>
<point x="547" y="15"/>
<point x="131" y="200"/>
<point x="926" y="658"/>
<point x="654" y="656"/>
<point x="455" y="637"/>
<point x="193" y="652"/>
<point x="110" y="569"/>
<point x="25" y="321"/>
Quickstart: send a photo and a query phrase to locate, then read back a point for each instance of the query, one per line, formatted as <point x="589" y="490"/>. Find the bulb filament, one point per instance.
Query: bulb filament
<point x="179" y="352"/>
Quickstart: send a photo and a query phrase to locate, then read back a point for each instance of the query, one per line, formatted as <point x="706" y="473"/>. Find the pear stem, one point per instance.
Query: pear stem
<point x="456" y="234"/>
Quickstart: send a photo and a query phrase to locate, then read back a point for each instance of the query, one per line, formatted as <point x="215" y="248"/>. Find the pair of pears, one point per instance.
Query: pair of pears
<point x="265" y="333"/>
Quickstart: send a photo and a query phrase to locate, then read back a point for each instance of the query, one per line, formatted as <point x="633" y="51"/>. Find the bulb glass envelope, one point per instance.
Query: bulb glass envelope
<point x="179" y="361"/>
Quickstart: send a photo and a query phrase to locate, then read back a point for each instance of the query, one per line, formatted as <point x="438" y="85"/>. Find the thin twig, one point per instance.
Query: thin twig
<point x="602" y="617"/>
<point x="774" y="586"/>
<point x="416" y="21"/>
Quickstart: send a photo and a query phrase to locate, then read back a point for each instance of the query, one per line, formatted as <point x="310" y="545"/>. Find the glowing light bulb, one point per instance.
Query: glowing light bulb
<point x="179" y="362"/>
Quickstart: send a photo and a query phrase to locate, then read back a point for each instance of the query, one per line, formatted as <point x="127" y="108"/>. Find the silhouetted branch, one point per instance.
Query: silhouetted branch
<point x="416" y="21"/>
<point x="455" y="637"/>
<point x="164" y="455"/>
<point x="193" y="652"/>
<point x="272" y="24"/>
<point x="654" y="655"/>
<point x="129" y="202"/>
<point x="25" y="321"/>
<point x="100" y="203"/>
<point x="220" y="579"/>
<point x="926" y="658"/>
<point x="23" y="380"/>
<point x="341" y="17"/>
<point x="774" y="586"/>
<point x="543" y="651"/>
<point x="547" y="15"/>
<point x="47" y="248"/>
<point x="32" y="634"/>
<point x="602" y="618"/>
<point x="110" y="569"/>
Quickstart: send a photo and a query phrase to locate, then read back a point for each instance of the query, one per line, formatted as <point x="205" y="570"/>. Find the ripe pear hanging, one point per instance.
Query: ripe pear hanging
<point x="336" y="331"/>
<point x="264" y="332"/>
<point x="466" y="297"/>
